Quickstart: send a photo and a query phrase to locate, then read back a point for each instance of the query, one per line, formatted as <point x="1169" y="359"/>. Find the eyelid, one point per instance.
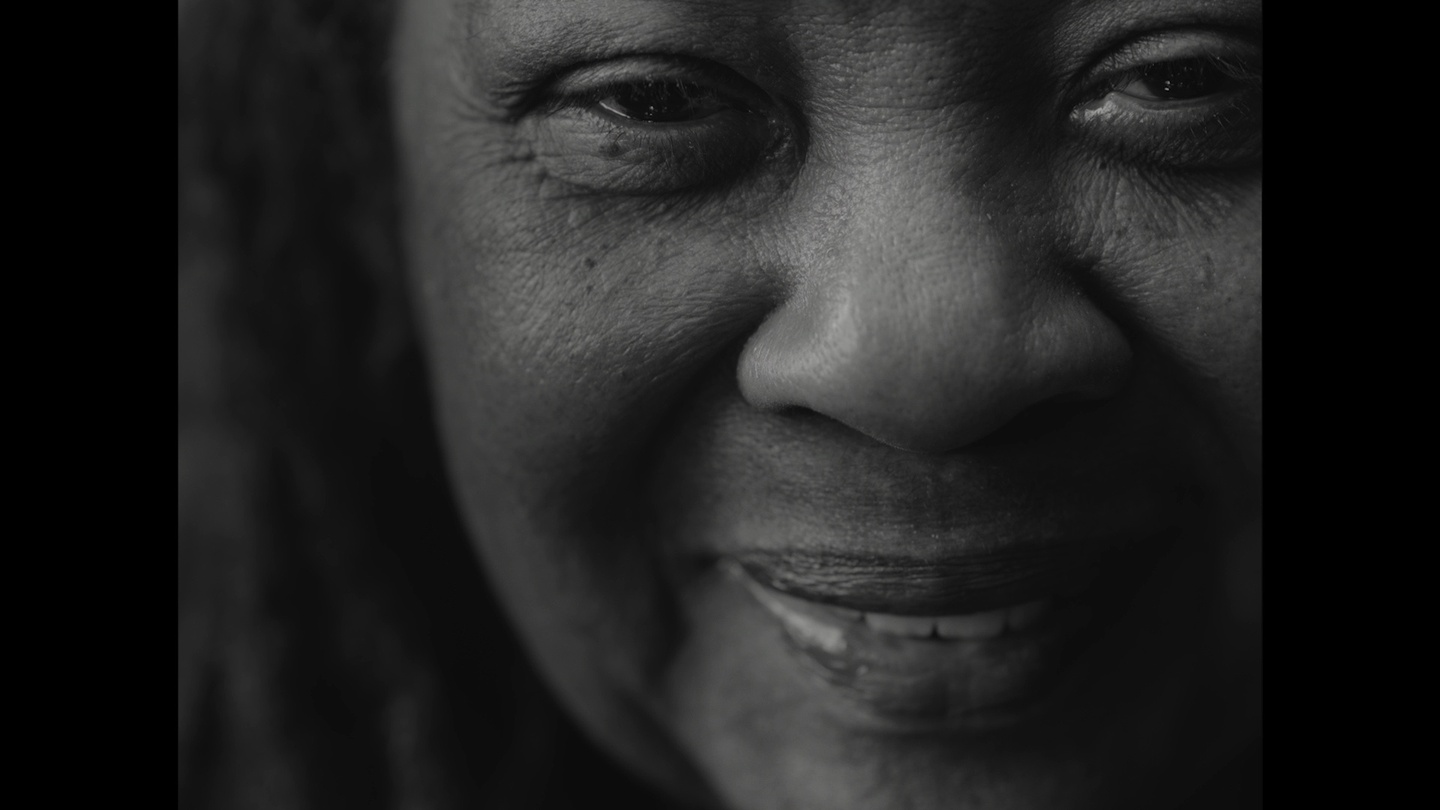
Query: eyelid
<point x="591" y="148"/>
<point x="1235" y="52"/>
<point x="594" y="97"/>
<point x="587" y="83"/>
<point x="1217" y="130"/>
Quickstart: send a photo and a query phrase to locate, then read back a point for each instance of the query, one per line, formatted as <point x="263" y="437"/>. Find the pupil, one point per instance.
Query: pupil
<point x="657" y="102"/>
<point x="1182" y="80"/>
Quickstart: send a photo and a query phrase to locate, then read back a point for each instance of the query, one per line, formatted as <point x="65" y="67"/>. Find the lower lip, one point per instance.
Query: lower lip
<point x="879" y="680"/>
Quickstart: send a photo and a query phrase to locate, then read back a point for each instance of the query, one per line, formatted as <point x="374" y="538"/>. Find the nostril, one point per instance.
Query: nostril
<point x="1042" y="419"/>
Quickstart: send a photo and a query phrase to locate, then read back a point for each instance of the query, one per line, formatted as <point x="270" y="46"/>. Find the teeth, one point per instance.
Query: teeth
<point x="810" y="624"/>
<point x="974" y="625"/>
<point x="824" y="625"/>
<point x="1023" y="617"/>
<point x="814" y="632"/>
<point x="913" y="626"/>
<point x="971" y="626"/>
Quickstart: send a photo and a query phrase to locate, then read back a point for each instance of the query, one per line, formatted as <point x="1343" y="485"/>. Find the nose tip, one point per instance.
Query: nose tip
<point x="930" y="374"/>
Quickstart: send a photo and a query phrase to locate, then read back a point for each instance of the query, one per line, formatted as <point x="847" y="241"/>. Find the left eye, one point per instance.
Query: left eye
<point x="664" y="102"/>
<point x="1184" y="99"/>
<point x="1179" y="80"/>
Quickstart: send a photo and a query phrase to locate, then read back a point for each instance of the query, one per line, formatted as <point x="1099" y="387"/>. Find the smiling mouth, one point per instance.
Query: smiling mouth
<point x="827" y="625"/>
<point x="969" y="644"/>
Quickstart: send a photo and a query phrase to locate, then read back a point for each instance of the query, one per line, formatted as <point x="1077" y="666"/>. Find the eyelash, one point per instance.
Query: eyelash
<point x="685" y="90"/>
<point x="1235" y="74"/>
<point x="1218" y="129"/>
<point x="607" y="141"/>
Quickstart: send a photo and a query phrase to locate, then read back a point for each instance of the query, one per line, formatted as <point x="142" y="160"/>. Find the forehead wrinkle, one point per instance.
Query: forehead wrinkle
<point x="540" y="27"/>
<point x="534" y="32"/>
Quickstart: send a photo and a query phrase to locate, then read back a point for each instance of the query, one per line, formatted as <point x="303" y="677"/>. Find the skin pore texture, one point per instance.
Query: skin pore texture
<point x="763" y="331"/>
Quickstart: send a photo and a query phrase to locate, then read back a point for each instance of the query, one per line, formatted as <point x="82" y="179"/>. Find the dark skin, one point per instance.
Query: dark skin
<point x="913" y="287"/>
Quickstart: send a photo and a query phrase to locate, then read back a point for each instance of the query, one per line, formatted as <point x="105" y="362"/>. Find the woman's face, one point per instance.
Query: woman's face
<point x="856" y="404"/>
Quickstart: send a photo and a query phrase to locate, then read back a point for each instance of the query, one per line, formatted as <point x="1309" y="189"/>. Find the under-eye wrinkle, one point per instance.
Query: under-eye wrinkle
<point x="650" y="125"/>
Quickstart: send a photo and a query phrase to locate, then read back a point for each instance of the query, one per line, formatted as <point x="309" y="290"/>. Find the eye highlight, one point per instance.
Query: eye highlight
<point x="664" y="102"/>
<point x="1178" y="80"/>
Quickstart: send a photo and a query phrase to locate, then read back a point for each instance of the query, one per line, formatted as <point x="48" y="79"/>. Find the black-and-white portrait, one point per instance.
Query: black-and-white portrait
<point x="725" y="404"/>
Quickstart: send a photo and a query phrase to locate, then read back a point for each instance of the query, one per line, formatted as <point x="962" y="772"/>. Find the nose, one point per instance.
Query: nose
<point x="921" y="323"/>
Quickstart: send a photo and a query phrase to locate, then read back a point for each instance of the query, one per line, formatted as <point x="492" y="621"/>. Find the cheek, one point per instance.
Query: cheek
<point x="561" y="332"/>
<point x="1180" y="268"/>
<point x="1188" y="280"/>
<point x="571" y="326"/>
<point x="1209" y="317"/>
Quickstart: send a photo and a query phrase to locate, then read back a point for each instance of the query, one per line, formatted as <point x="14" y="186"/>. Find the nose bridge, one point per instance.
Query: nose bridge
<point x="920" y="321"/>
<point x="919" y="282"/>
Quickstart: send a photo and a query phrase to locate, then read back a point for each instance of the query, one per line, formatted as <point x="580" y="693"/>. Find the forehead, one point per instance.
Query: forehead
<point x="556" y="22"/>
<point x="776" y="37"/>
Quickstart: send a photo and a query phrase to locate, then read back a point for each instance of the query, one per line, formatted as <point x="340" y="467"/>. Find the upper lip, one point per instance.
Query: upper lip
<point x="954" y="585"/>
<point x="813" y="509"/>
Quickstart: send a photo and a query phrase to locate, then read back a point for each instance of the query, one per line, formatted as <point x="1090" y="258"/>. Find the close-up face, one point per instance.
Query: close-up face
<point x="856" y="404"/>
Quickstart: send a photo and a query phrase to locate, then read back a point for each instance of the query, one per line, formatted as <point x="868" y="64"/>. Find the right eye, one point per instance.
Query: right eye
<point x="658" y="127"/>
